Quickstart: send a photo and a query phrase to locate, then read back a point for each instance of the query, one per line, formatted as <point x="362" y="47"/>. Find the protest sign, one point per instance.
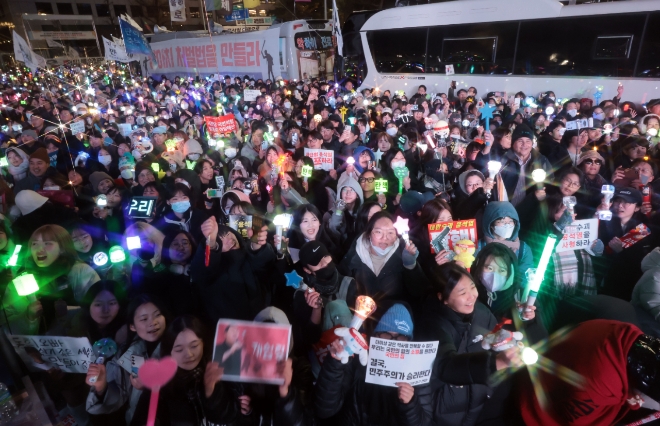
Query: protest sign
<point x="240" y="223"/>
<point x="251" y="351"/>
<point x="458" y="230"/>
<point x="220" y="125"/>
<point x="125" y="129"/>
<point x="579" y="235"/>
<point x="115" y="52"/>
<point x="77" y="127"/>
<point x="323" y="159"/>
<point x="449" y="70"/>
<point x="392" y="361"/>
<point x="42" y="353"/>
<point x="635" y="235"/>
<point x="251" y="95"/>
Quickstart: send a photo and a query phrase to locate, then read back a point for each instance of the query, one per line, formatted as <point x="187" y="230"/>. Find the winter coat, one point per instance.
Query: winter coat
<point x="646" y="293"/>
<point x="120" y="390"/>
<point x="232" y="286"/>
<point x="458" y="390"/>
<point x="342" y="226"/>
<point x="394" y="281"/>
<point x="343" y="395"/>
<point x="183" y="401"/>
<point x="192" y="222"/>
<point x="511" y="170"/>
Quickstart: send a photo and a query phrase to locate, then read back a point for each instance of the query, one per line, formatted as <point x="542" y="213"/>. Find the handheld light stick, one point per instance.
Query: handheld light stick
<point x="26" y="286"/>
<point x="117" y="254"/>
<point x="155" y="167"/>
<point x="401" y="173"/>
<point x="487" y="113"/>
<point x="402" y="228"/>
<point x="350" y="161"/>
<point x="535" y="275"/>
<point x="538" y="176"/>
<point x="13" y="260"/>
<point x="493" y="169"/>
<point x="207" y="251"/>
<point x="282" y="223"/>
<point x="364" y="306"/>
<point x="155" y="374"/>
<point x="381" y="186"/>
<point x="529" y="355"/>
<point x="306" y="172"/>
<point x="133" y="242"/>
<point x="101" y="200"/>
<point x="103" y="349"/>
<point x="608" y="193"/>
<point x="566" y="218"/>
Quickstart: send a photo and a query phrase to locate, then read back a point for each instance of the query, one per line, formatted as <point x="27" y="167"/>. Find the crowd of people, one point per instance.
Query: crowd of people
<point x="82" y="147"/>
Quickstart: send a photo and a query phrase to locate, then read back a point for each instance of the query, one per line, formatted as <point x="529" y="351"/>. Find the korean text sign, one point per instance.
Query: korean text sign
<point x="458" y="230"/>
<point x="220" y="125"/>
<point x="42" y="353"/>
<point x="324" y="159"/>
<point x="251" y="351"/>
<point x="579" y="235"/>
<point x="392" y="361"/>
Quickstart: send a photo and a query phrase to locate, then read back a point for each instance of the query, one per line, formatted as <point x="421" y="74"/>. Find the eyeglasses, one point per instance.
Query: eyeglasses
<point x="347" y="190"/>
<point x="363" y="180"/>
<point x="589" y="162"/>
<point x="571" y="184"/>
<point x="391" y="336"/>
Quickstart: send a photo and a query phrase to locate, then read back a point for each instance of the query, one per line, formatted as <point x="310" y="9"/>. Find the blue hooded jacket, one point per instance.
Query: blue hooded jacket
<point x="499" y="209"/>
<point x="356" y="156"/>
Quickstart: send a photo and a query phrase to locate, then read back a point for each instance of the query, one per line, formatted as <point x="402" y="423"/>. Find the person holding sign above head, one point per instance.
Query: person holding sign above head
<point x="343" y="396"/>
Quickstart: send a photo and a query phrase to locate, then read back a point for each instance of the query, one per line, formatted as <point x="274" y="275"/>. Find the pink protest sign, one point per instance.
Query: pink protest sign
<point x="251" y="352"/>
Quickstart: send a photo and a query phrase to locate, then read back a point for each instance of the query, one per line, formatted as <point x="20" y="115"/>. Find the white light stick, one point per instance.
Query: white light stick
<point x="282" y="222"/>
<point x="364" y="306"/>
<point x="538" y="176"/>
<point x="494" y="168"/>
<point x="608" y="193"/>
<point x="402" y="228"/>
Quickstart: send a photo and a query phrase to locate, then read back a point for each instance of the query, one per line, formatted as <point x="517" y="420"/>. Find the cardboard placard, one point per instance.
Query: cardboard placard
<point x="125" y="129"/>
<point x="250" y="95"/>
<point x="324" y="159"/>
<point x="392" y="361"/>
<point x="459" y="230"/>
<point x="42" y="353"/>
<point x="251" y="351"/>
<point x="579" y="235"/>
<point x="220" y="125"/>
<point x="77" y="127"/>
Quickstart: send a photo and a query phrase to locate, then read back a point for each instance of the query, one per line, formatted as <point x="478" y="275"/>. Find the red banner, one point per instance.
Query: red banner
<point x="220" y="125"/>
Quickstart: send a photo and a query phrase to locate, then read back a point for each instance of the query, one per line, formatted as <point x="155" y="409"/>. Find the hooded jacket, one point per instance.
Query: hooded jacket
<point x="356" y="156"/>
<point x="499" y="209"/>
<point x="232" y="285"/>
<point x="469" y="206"/>
<point x="646" y="293"/>
<point x="342" y="226"/>
<point x="20" y="171"/>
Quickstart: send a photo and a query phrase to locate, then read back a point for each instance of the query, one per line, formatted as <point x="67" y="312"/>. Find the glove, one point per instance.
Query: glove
<point x="409" y="260"/>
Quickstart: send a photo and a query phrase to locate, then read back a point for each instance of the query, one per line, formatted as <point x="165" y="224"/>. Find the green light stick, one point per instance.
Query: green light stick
<point x="381" y="186"/>
<point x="401" y="173"/>
<point x="306" y="172"/>
<point x="535" y="276"/>
<point x="26" y="285"/>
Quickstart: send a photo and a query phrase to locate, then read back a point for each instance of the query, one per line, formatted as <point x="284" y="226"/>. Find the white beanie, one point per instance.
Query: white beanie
<point x="28" y="201"/>
<point x="192" y="147"/>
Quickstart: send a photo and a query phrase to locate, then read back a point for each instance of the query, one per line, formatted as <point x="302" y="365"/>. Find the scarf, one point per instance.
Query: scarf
<point x="513" y="245"/>
<point x="362" y="248"/>
<point x="574" y="274"/>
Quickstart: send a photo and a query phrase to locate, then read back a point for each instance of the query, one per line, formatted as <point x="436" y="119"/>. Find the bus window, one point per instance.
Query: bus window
<point x="649" y="59"/>
<point x="398" y="51"/>
<point x="612" y="47"/>
<point x="472" y="49"/>
<point x="574" y="46"/>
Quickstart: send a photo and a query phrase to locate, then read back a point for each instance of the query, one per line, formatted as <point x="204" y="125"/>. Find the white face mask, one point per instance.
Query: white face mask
<point x="193" y="157"/>
<point x="493" y="282"/>
<point x="230" y="152"/>
<point x="382" y="252"/>
<point x="551" y="98"/>
<point x="398" y="164"/>
<point x="184" y="106"/>
<point x="572" y="112"/>
<point x="247" y="191"/>
<point x="105" y="159"/>
<point x="287" y="105"/>
<point x="504" y="231"/>
<point x="392" y="131"/>
<point x="562" y="131"/>
<point x="28" y="115"/>
<point x="16" y="127"/>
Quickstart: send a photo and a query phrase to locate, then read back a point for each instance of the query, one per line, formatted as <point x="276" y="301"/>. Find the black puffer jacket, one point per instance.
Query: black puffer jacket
<point x="183" y="402"/>
<point x="342" y="394"/>
<point x="461" y="362"/>
<point x="232" y="285"/>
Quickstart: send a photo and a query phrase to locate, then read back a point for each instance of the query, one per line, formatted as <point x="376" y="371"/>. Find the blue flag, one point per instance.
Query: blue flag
<point x="134" y="40"/>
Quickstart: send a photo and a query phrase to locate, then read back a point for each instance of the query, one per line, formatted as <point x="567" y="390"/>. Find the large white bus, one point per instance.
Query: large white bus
<point x="517" y="45"/>
<point x="291" y="50"/>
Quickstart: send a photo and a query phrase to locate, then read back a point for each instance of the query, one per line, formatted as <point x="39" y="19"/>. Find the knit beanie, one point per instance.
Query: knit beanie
<point x="397" y="319"/>
<point x="41" y="154"/>
<point x="28" y="201"/>
<point x="96" y="178"/>
<point x="522" y="131"/>
<point x="192" y="147"/>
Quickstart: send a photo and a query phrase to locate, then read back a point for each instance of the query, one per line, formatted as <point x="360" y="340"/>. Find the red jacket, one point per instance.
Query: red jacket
<point x="596" y="350"/>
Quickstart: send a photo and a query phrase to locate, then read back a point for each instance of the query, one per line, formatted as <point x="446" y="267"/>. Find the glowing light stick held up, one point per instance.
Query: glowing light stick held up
<point x="535" y="275"/>
<point x="306" y="172"/>
<point x="364" y="306"/>
<point x="538" y="176"/>
<point x="103" y="349"/>
<point x="155" y="374"/>
<point x="493" y="169"/>
<point x="117" y="254"/>
<point x="13" y="260"/>
<point x="608" y="193"/>
<point x="26" y="286"/>
<point x="402" y="228"/>
<point x="401" y="173"/>
<point x="282" y="223"/>
<point x="381" y="186"/>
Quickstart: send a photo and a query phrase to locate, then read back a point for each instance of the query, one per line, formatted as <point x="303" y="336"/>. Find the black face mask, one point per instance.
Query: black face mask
<point x="111" y="133"/>
<point x="325" y="280"/>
